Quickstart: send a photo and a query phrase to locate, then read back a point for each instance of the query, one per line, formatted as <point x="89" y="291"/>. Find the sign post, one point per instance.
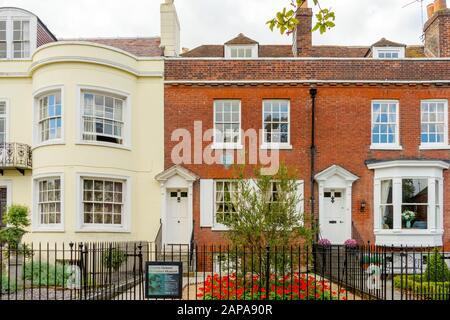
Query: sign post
<point x="163" y="280"/>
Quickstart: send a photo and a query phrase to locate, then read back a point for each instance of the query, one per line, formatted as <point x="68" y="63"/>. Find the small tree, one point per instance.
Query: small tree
<point x="437" y="270"/>
<point x="16" y="220"/>
<point x="266" y="210"/>
<point x="265" y="214"/>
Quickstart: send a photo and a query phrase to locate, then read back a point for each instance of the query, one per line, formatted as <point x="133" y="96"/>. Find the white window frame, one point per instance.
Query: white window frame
<point x="230" y="145"/>
<point x="11" y="14"/>
<point x="218" y="226"/>
<point x="2" y="19"/>
<point x="127" y="118"/>
<point x="281" y="146"/>
<point x="6" y="117"/>
<point x="37" y="95"/>
<point x="386" y="146"/>
<point x="399" y="50"/>
<point x="36" y="224"/>
<point x="397" y="171"/>
<point x="127" y="195"/>
<point x="230" y="47"/>
<point x="436" y="145"/>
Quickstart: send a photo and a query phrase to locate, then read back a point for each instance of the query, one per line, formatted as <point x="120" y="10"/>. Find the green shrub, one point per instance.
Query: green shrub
<point x="437" y="269"/>
<point x="425" y="289"/>
<point x="43" y="274"/>
<point x="113" y="258"/>
<point x="10" y="287"/>
<point x="16" y="219"/>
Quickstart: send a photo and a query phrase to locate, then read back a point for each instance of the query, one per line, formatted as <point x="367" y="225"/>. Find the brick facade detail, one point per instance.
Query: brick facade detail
<point x="43" y="35"/>
<point x="307" y="70"/>
<point x="437" y="34"/>
<point x="343" y="134"/>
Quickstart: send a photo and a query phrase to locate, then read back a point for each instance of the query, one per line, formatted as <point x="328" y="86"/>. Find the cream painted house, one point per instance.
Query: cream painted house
<point x="82" y="129"/>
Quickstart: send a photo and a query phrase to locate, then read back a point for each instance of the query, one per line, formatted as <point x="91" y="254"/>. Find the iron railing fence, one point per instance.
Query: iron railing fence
<point x="116" y="271"/>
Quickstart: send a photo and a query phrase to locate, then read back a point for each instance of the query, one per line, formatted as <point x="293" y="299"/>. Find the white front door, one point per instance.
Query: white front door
<point x="177" y="217"/>
<point x="334" y="223"/>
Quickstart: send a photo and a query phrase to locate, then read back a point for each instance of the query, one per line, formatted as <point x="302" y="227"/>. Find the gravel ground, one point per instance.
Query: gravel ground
<point x="42" y="294"/>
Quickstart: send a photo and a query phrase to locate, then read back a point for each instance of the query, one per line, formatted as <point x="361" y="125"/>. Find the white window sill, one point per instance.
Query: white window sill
<point x="434" y="147"/>
<point x="385" y="147"/>
<point x="225" y="146"/>
<point x="48" y="143"/>
<point x="106" y="145"/>
<point x="282" y="146"/>
<point x="56" y="229"/>
<point x="102" y="229"/>
<point x="409" y="237"/>
<point x="220" y="227"/>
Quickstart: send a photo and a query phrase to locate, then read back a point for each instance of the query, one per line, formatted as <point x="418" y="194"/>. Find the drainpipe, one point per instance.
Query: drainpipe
<point x="313" y="94"/>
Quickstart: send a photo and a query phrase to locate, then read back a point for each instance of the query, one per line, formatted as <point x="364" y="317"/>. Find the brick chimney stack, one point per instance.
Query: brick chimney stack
<point x="302" y="40"/>
<point x="437" y="30"/>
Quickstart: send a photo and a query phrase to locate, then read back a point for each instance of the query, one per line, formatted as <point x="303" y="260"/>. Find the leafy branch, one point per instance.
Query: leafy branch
<point x="286" y="22"/>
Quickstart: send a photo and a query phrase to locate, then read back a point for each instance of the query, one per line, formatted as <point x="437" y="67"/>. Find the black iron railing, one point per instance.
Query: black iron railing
<point x="107" y="271"/>
<point x="15" y="156"/>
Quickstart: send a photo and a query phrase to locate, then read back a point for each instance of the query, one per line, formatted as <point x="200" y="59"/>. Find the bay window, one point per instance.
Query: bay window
<point x="103" y="118"/>
<point x="408" y="201"/>
<point x="48" y="203"/>
<point x="50" y="117"/>
<point x="104" y="203"/>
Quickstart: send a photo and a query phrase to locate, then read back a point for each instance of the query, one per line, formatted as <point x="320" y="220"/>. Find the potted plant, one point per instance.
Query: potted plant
<point x="16" y="220"/>
<point x="408" y="216"/>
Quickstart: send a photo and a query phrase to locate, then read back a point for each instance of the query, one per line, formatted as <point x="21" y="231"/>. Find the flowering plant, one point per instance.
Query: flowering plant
<point x="408" y="215"/>
<point x="324" y="243"/>
<point x="293" y="286"/>
<point x="351" y="243"/>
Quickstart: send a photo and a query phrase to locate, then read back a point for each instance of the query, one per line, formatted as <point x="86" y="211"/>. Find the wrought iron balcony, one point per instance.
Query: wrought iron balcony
<point x="16" y="156"/>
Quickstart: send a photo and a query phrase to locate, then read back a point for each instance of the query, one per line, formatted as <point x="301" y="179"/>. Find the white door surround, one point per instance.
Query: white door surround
<point x="176" y="212"/>
<point x="335" y="203"/>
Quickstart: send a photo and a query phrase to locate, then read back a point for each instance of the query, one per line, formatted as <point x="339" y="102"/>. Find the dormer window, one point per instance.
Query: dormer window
<point x="388" y="54"/>
<point x="241" y="52"/>
<point x="241" y="47"/>
<point x="18" y="33"/>
<point x="385" y="49"/>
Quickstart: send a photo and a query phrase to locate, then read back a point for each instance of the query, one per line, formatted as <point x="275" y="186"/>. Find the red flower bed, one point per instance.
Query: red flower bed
<point x="289" y="287"/>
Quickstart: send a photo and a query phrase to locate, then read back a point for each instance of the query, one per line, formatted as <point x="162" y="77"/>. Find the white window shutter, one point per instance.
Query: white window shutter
<point x="206" y="203"/>
<point x="301" y="195"/>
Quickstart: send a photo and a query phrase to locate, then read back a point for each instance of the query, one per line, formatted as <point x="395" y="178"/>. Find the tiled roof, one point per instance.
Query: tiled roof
<point x="141" y="47"/>
<point x="241" y="39"/>
<point x="387" y="43"/>
<point x="285" y="51"/>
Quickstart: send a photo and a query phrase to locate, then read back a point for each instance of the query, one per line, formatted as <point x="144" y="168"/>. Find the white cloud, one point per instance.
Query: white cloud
<point x="359" y="22"/>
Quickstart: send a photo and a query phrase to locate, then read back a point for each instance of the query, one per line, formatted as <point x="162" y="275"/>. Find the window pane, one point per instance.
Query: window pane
<point x="415" y="190"/>
<point x="387" y="216"/>
<point x="102" y="118"/>
<point x="105" y="200"/>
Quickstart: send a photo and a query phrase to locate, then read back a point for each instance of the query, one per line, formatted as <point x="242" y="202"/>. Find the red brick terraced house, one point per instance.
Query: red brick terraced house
<point x="366" y="128"/>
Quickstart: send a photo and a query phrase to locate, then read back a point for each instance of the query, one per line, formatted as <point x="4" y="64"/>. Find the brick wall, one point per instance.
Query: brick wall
<point x="303" y="35"/>
<point x="43" y="36"/>
<point x="343" y="134"/>
<point x="437" y="34"/>
<point x="305" y="69"/>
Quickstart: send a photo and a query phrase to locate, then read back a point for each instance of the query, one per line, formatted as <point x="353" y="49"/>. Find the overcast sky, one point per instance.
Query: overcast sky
<point x="359" y="22"/>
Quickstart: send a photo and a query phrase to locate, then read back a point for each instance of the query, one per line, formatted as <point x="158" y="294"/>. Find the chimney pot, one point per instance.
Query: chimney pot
<point x="430" y="10"/>
<point x="304" y="4"/>
<point x="440" y="5"/>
